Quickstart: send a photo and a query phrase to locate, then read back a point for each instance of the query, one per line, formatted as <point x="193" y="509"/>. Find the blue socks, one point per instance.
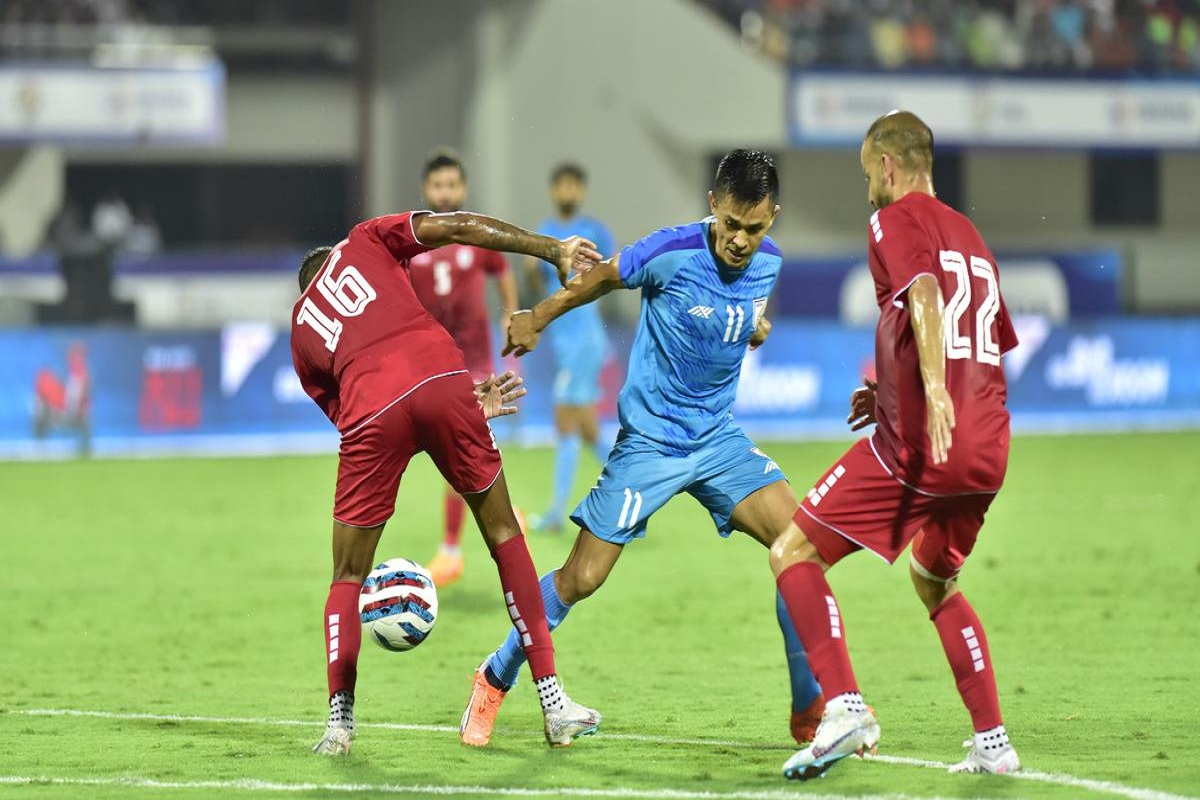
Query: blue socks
<point x="804" y="686"/>
<point x="504" y="665"/>
<point x="566" y="459"/>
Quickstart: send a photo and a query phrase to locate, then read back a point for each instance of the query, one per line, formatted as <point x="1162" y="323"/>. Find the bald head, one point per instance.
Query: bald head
<point x="904" y="137"/>
<point x="897" y="157"/>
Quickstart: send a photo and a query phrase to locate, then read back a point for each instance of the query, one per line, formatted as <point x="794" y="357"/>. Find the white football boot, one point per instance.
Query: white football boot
<point x="841" y="733"/>
<point x="989" y="753"/>
<point x="574" y="720"/>
<point x="339" y="733"/>
<point x="335" y="742"/>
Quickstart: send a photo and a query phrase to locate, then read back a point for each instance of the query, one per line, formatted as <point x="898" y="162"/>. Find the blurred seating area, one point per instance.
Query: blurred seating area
<point x="1101" y="36"/>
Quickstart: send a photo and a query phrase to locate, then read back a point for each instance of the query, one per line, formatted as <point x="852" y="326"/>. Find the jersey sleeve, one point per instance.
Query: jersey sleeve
<point x="494" y="263"/>
<point x="905" y="250"/>
<point x="638" y="262"/>
<point x="398" y="235"/>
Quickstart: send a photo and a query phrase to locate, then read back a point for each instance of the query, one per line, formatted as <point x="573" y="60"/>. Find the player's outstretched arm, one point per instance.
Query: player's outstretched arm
<point x="464" y="227"/>
<point x="925" y="309"/>
<point x="526" y="327"/>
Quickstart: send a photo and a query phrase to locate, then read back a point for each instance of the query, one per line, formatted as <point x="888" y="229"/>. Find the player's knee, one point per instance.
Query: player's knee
<point x="932" y="591"/>
<point x="792" y="547"/>
<point x="579" y="581"/>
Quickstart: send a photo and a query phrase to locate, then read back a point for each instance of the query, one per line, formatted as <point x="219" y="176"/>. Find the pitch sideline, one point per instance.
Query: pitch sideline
<point x="1103" y="787"/>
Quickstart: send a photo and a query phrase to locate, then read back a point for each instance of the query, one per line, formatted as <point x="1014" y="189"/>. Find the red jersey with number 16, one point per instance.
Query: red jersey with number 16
<point x="919" y="235"/>
<point x="360" y="337"/>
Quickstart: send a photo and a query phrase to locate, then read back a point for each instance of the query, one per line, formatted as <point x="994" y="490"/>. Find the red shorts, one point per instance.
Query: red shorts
<point x="859" y="504"/>
<point x="440" y="417"/>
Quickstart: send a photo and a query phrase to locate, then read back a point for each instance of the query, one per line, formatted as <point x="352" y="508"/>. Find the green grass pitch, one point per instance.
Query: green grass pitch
<point x="195" y="588"/>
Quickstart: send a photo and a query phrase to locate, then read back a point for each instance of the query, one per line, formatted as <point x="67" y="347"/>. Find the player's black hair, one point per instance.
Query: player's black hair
<point x="748" y="176"/>
<point x="905" y="137"/>
<point x="312" y="262"/>
<point x="442" y="158"/>
<point x="568" y="169"/>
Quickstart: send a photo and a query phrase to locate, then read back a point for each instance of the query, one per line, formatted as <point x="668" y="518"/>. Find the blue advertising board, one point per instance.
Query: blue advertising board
<point x="234" y="390"/>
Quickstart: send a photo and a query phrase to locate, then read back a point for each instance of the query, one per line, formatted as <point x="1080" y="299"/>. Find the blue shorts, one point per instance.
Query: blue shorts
<point x="577" y="381"/>
<point x="639" y="480"/>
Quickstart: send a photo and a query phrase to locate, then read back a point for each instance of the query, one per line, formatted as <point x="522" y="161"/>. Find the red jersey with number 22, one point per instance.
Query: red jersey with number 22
<point x="360" y="337"/>
<point x="920" y="235"/>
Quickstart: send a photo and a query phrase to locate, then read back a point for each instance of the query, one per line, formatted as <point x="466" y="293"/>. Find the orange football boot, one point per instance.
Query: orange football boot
<point x="475" y="729"/>
<point x="446" y="568"/>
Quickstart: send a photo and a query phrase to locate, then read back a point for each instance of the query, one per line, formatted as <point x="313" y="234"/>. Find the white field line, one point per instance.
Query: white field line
<point x="249" y="785"/>
<point x="1103" y="787"/>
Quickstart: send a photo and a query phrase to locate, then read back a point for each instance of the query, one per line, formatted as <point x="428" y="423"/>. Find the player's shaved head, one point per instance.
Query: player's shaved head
<point x="897" y="158"/>
<point x="905" y="137"/>
<point x="312" y="262"/>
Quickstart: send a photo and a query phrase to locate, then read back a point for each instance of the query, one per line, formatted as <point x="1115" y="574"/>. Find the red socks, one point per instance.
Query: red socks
<point x="967" y="651"/>
<point x="456" y="509"/>
<point x="818" y="621"/>
<point x="523" y="596"/>
<point x="343" y="635"/>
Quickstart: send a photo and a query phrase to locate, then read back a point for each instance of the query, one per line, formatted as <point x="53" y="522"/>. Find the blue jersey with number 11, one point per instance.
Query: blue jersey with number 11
<point x="696" y="321"/>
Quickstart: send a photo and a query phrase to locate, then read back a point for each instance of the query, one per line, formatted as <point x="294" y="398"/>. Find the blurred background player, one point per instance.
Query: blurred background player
<point x="578" y="341"/>
<point x="935" y="387"/>
<point x="449" y="282"/>
<point x="65" y="404"/>
<point x="394" y="384"/>
<point x="704" y="289"/>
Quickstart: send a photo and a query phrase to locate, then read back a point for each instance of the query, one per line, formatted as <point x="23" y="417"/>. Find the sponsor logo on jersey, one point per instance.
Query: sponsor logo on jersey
<point x="703" y="312"/>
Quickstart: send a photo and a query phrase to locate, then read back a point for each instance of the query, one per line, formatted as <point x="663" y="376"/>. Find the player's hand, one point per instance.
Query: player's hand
<point x="939" y="409"/>
<point x="761" y="331"/>
<point x="522" y="334"/>
<point x="577" y="254"/>
<point x="862" y="405"/>
<point x="497" y="392"/>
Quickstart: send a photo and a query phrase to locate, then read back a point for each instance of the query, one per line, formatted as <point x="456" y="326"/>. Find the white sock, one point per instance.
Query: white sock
<point x="550" y="694"/>
<point x="850" y="701"/>
<point x="341" y="711"/>
<point x="991" y="741"/>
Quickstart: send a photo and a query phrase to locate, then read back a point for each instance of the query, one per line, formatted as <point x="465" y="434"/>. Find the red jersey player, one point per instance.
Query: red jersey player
<point x="394" y="383"/>
<point x="449" y="282"/>
<point x="935" y="462"/>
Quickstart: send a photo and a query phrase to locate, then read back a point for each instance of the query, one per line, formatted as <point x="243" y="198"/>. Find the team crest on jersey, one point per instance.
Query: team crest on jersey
<point x="760" y="308"/>
<point x="703" y="312"/>
<point x="465" y="257"/>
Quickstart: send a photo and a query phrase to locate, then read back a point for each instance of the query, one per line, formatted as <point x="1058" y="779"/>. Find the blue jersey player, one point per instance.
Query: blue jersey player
<point x="578" y="341"/>
<point x="704" y="291"/>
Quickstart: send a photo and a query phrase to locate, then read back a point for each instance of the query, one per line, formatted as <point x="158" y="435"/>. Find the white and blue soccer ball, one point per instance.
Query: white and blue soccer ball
<point x="398" y="605"/>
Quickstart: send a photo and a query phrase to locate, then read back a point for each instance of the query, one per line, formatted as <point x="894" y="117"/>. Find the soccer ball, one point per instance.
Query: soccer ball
<point x="398" y="605"/>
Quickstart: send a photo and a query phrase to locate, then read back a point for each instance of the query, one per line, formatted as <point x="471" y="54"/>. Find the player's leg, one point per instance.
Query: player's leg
<point x="589" y="429"/>
<point x="446" y="566"/>
<point x="585" y="570"/>
<point x="856" y="498"/>
<point x="635" y="482"/>
<point x="566" y="460"/>
<point x="455" y="434"/>
<point x="370" y="464"/>
<point x="745" y="490"/>
<point x="523" y="594"/>
<point x="938" y="553"/>
<point x="353" y="556"/>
